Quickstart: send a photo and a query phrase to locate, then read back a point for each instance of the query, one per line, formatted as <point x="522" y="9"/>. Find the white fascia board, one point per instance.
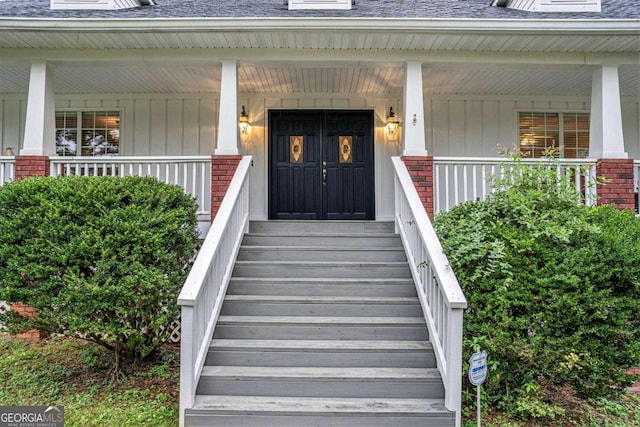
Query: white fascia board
<point x="347" y="25"/>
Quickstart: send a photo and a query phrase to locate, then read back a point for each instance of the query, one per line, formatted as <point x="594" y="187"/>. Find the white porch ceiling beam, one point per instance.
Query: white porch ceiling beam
<point x="203" y="56"/>
<point x="39" y="132"/>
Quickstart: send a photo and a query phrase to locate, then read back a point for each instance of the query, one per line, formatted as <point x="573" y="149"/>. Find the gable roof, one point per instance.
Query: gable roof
<point x="426" y="9"/>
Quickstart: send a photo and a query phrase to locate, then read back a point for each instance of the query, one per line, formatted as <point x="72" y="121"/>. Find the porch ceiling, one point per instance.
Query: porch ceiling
<point x="338" y="78"/>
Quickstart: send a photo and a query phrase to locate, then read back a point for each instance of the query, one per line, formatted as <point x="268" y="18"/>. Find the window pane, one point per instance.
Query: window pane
<point x="538" y="132"/>
<point x="100" y="133"/>
<point x="541" y="131"/>
<point x="66" y="133"/>
<point x="576" y="135"/>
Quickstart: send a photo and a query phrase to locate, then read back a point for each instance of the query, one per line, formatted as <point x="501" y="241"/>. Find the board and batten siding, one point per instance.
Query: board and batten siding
<point x="149" y="125"/>
<point x="156" y="125"/>
<point x="460" y="126"/>
<point x="258" y="106"/>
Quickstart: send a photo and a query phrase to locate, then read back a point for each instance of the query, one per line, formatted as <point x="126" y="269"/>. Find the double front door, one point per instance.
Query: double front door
<point x="321" y="165"/>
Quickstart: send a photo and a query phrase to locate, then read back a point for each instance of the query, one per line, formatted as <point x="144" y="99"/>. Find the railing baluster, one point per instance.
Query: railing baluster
<point x="476" y="172"/>
<point x="204" y="289"/>
<point x="437" y="287"/>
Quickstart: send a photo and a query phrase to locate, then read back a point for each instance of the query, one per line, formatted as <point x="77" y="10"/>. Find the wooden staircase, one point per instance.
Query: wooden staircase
<point x="321" y="326"/>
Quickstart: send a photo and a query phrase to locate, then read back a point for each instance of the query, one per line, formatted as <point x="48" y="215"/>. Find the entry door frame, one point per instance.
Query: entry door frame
<point x="357" y="122"/>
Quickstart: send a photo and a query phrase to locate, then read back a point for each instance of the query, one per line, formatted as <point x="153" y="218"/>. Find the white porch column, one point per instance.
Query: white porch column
<point x="227" y="143"/>
<point x="605" y="133"/>
<point x="413" y="137"/>
<point x="40" y="124"/>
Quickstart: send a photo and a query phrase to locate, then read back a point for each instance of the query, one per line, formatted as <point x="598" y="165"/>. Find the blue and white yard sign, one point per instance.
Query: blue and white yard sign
<point x="478" y="368"/>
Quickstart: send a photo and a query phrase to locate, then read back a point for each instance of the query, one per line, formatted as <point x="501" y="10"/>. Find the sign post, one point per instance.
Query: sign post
<point x="477" y="374"/>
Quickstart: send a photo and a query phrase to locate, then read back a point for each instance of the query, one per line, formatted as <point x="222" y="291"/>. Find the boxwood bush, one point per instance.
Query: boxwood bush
<point x="102" y="258"/>
<point x="553" y="289"/>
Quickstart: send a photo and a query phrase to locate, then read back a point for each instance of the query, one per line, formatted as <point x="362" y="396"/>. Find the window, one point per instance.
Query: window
<point x="566" y="132"/>
<point x="97" y="131"/>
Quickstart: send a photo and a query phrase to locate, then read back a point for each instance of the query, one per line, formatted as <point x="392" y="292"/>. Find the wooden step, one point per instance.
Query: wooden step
<point x="396" y="383"/>
<point x="389" y="287"/>
<point x="323" y="227"/>
<point x="321" y="353"/>
<point x="268" y="305"/>
<point x="326" y="253"/>
<point x="274" y="411"/>
<point x="322" y="328"/>
<point x="304" y="269"/>
<point x="364" y="240"/>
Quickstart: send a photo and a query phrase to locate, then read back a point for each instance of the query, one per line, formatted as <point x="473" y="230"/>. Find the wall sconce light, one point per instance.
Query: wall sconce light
<point x="392" y="123"/>
<point x="244" y="124"/>
<point x="9" y="152"/>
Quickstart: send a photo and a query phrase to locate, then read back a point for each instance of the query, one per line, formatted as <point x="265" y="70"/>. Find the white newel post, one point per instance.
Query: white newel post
<point x="228" y="137"/>
<point x="413" y="136"/>
<point x="40" y="124"/>
<point x="605" y="133"/>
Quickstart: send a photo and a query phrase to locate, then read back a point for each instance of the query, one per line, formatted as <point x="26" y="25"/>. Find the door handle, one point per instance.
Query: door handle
<point x="324" y="176"/>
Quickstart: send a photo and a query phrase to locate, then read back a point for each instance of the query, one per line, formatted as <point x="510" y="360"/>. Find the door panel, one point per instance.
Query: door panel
<point x="333" y="177"/>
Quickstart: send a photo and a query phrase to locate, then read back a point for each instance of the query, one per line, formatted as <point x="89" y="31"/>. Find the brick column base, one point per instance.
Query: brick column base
<point x="635" y="388"/>
<point x="27" y="311"/>
<point x="619" y="189"/>
<point x="421" y="171"/>
<point x="27" y="166"/>
<point x="222" y="170"/>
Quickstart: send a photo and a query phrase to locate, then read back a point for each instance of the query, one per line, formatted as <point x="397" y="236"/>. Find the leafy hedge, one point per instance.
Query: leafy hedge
<point x="101" y="258"/>
<point x="553" y="289"/>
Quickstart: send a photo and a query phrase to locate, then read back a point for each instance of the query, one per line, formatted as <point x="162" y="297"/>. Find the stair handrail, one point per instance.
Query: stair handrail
<point x="443" y="302"/>
<point x="204" y="289"/>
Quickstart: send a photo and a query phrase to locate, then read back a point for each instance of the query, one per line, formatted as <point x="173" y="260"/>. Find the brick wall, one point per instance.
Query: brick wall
<point x="619" y="188"/>
<point x="222" y="170"/>
<point x="421" y="171"/>
<point x="27" y="166"/>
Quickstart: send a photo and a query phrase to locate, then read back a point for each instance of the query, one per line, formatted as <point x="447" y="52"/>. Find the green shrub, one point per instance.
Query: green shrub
<point x="101" y="258"/>
<point x="553" y="288"/>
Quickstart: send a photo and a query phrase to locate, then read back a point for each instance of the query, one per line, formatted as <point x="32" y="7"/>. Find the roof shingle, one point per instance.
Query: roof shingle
<point x="427" y="9"/>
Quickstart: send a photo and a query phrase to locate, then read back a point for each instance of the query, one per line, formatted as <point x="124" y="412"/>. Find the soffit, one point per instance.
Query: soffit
<point x="483" y="40"/>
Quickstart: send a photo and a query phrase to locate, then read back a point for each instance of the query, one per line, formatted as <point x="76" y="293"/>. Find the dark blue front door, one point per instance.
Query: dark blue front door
<point x="321" y="165"/>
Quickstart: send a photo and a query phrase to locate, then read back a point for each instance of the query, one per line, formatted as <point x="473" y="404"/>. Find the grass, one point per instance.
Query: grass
<point x="75" y="374"/>
<point x="624" y="412"/>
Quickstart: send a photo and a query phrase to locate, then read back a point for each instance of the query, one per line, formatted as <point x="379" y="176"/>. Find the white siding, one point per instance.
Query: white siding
<point x="12" y="114"/>
<point x="149" y="125"/>
<point x="258" y="108"/>
<point x="186" y="125"/>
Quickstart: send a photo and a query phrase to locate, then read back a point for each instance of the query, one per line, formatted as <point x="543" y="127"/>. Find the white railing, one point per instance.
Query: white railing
<point x="440" y="294"/>
<point x="636" y="180"/>
<point x="192" y="173"/>
<point x="461" y="179"/>
<point x="204" y="290"/>
<point x="7" y="169"/>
